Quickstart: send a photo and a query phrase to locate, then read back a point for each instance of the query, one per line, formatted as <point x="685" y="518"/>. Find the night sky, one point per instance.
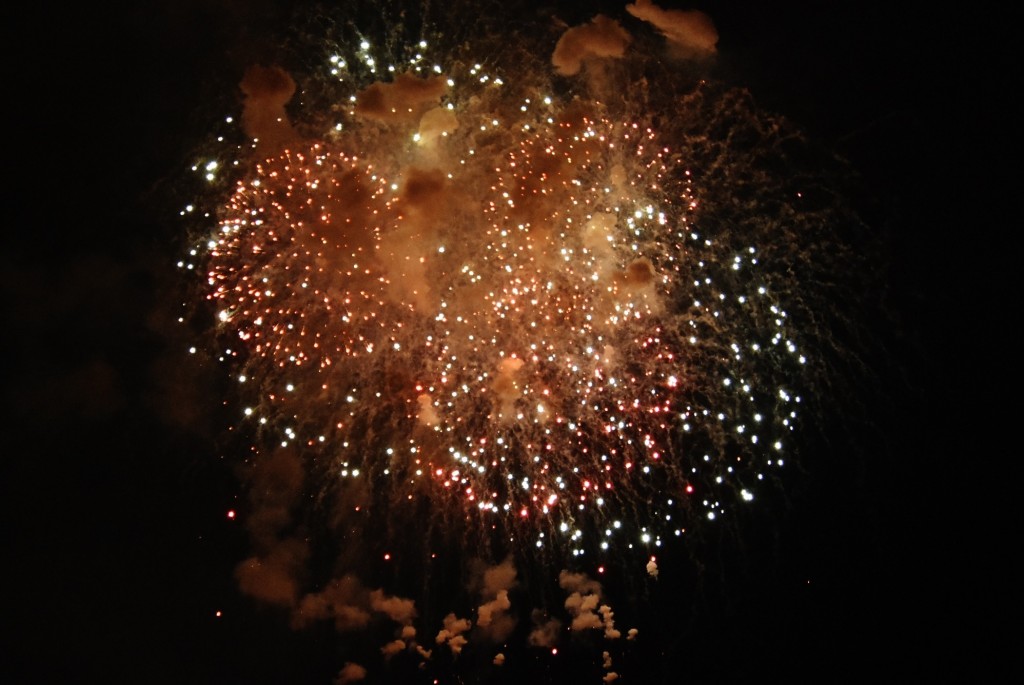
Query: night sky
<point x="115" y="495"/>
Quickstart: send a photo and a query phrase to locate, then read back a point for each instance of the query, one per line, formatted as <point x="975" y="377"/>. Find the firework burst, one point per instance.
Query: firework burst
<point x="521" y="305"/>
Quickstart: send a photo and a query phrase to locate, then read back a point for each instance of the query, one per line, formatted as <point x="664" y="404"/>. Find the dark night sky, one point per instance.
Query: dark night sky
<point x="114" y="499"/>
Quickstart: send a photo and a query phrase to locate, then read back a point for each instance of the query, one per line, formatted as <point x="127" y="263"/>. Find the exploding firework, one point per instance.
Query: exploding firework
<point x="558" y="311"/>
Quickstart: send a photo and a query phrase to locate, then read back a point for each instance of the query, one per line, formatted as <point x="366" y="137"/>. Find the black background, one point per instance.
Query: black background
<point x="114" y="497"/>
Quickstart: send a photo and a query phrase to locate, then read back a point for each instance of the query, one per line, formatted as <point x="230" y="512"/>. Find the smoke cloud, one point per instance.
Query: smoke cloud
<point x="264" y="119"/>
<point x="403" y="100"/>
<point x="545" y="632"/>
<point x="583" y="599"/>
<point x="343" y="601"/>
<point x="583" y="604"/>
<point x="506" y="387"/>
<point x="493" y="619"/>
<point x="451" y="634"/>
<point x="350" y="673"/>
<point x="398" y="609"/>
<point x="351" y="606"/>
<point x="275" y="487"/>
<point x="436" y="123"/>
<point x="690" y="32"/>
<point x="601" y="38"/>
<point x="392" y="648"/>
<point x="607" y="619"/>
<point x="273" y="578"/>
<point x="578" y="582"/>
<point x="273" y="574"/>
